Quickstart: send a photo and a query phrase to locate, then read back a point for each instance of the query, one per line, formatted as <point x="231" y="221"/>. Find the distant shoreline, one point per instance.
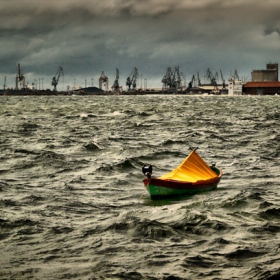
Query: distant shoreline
<point x="96" y="91"/>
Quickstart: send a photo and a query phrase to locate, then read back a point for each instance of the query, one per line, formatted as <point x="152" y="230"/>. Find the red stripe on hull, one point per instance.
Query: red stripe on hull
<point x="179" y="185"/>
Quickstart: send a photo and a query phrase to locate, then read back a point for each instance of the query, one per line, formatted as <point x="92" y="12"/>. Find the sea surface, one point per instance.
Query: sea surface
<point x="73" y="204"/>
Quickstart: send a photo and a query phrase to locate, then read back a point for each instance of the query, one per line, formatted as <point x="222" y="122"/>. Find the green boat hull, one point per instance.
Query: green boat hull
<point x="160" y="189"/>
<point x="159" y="192"/>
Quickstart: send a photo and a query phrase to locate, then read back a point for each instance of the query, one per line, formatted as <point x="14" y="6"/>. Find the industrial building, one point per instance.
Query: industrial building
<point x="235" y="85"/>
<point x="261" y="88"/>
<point x="264" y="82"/>
<point x="270" y="74"/>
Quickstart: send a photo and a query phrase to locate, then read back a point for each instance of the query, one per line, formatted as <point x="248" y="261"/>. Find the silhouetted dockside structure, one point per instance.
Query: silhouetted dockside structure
<point x="263" y="82"/>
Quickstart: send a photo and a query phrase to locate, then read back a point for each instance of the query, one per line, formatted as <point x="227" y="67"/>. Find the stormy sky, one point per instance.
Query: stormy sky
<point x="86" y="37"/>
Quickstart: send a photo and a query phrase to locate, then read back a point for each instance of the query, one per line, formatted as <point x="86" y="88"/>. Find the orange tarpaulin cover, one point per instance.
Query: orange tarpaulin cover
<point x="192" y="169"/>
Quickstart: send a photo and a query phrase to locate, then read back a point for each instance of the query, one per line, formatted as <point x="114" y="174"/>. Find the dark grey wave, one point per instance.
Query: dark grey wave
<point x="73" y="204"/>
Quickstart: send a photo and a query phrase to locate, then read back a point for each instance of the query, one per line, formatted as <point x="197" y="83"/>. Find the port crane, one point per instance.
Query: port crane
<point x="198" y="80"/>
<point x="191" y="82"/>
<point x="55" y="79"/>
<point x="223" y="80"/>
<point x="116" y="86"/>
<point x="172" y="79"/>
<point x="4" y="86"/>
<point x="236" y="75"/>
<point x="185" y="80"/>
<point x="177" y="78"/>
<point x="103" y="79"/>
<point x="132" y="79"/>
<point x="213" y="79"/>
<point x="166" y="80"/>
<point x="20" y="77"/>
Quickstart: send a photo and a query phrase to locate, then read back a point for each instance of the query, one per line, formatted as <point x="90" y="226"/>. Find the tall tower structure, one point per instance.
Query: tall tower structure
<point x="116" y="86"/>
<point x="4" y="86"/>
<point x="20" y="78"/>
<point x="103" y="80"/>
<point x="273" y="67"/>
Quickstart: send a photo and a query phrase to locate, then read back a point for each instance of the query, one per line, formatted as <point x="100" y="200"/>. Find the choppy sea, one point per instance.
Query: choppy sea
<point x="73" y="204"/>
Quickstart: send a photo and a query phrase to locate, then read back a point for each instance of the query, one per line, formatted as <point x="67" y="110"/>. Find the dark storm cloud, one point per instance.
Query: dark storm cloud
<point x="87" y="37"/>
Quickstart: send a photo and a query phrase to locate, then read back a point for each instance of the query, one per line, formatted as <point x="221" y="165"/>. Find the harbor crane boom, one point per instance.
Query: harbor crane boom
<point x="236" y="75"/>
<point x="103" y="79"/>
<point x="213" y="79"/>
<point x="132" y="79"/>
<point x="184" y="78"/>
<point x="177" y="78"/>
<point x="191" y="82"/>
<point x="166" y="80"/>
<point x="223" y="80"/>
<point x="55" y="79"/>
<point x="20" y="78"/>
<point x="216" y="77"/>
<point x="198" y="80"/>
<point x="172" y="79"/>
<point x="116" y="86"/>
<point x="4" y="86"/>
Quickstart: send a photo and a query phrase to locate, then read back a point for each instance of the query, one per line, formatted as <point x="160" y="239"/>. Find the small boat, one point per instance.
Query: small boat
<point x="192" y="176"/>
